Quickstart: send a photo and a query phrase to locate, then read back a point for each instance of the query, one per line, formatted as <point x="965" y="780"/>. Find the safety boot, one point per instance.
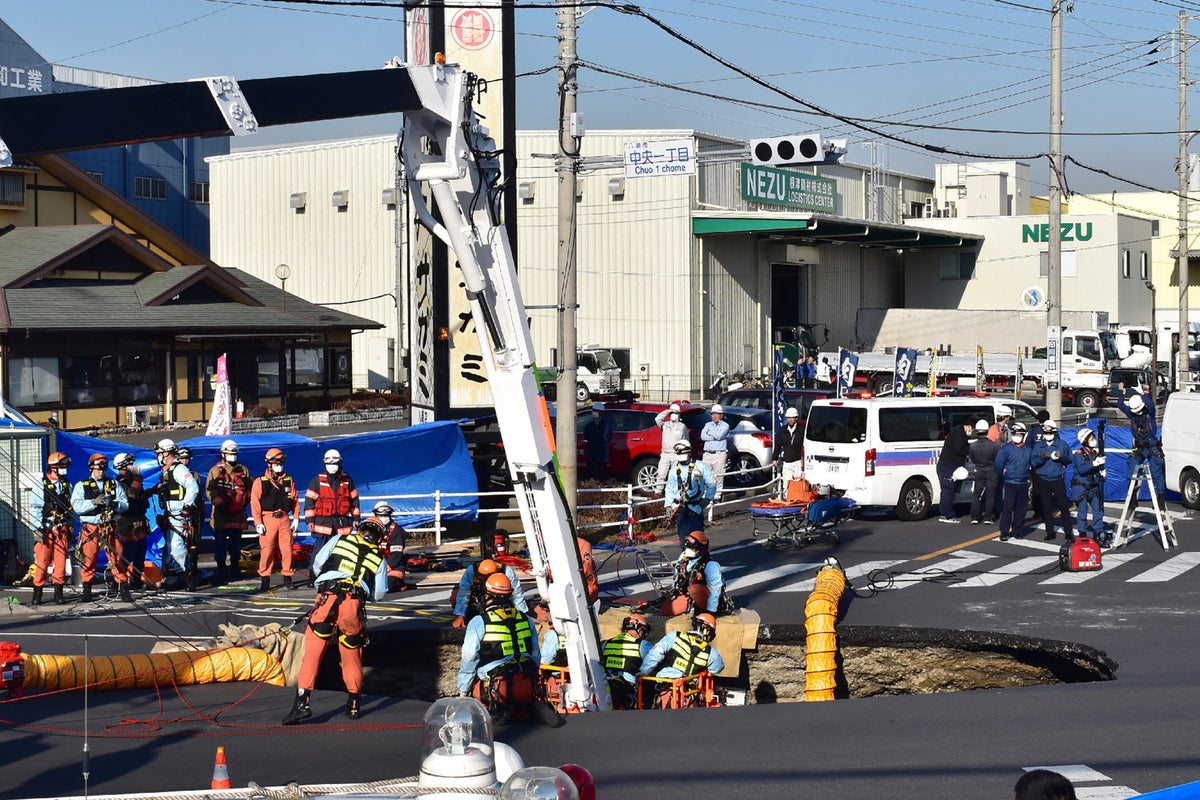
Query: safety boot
<point x="287" y="582"/>
<point x="354" y="706"/>
<point x="222" y="575"/>
<point x="37" y="596"/>
<point x="546" y="714"/>
<point x="264" y="585"/>
<point x="87" y="593"/>
<point x="123" y="593"/>
<point x="300" y="709"/>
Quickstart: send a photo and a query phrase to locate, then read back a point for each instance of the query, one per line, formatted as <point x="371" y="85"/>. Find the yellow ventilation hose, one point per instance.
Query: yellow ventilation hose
<point x="820" y="621"/>
<point x="157" y="669"/>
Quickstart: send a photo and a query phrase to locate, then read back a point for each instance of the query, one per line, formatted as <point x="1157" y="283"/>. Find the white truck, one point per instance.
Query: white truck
<point x="597" y="376"/>
<point x="1087" y="356"/>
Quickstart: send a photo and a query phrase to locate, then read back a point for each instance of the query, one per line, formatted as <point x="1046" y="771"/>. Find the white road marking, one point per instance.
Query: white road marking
<point x="765" y="575"/>
<point x="1075" y="773"/>
<point x="1110" y="561"/>
<point x="1019" y="567"/>
<point x="1171" y="568"/>
<point x="958" y="560"/>
<point x="856" y="571"/>
<point x="1105" y="792"/>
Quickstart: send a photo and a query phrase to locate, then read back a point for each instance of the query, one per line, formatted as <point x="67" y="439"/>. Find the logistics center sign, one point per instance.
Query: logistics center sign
<point x="781" y="187"/>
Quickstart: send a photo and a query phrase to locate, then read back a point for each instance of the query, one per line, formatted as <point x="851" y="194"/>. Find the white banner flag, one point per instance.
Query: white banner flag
<point x="219" y="422"/>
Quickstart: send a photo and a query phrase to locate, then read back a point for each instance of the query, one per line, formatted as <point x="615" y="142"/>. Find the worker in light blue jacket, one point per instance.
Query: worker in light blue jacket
<point x="1012" y="465"/>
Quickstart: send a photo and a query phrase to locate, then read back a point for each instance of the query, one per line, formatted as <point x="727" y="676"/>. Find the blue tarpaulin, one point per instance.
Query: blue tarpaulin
<point x="385" y="465"/>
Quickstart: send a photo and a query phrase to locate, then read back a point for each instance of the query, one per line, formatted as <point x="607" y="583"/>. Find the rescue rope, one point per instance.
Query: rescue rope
<point x="399" y="787"/>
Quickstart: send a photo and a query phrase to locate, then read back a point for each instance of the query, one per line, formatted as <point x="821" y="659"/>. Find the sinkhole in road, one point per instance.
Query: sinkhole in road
<point x="873" y="661"/>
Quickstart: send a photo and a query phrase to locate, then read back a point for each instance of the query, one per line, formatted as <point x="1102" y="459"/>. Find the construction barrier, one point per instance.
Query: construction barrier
<point x="820" y="622"/>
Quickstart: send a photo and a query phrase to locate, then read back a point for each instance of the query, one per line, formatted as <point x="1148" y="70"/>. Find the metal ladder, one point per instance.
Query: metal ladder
<point x="1166" y="531"/>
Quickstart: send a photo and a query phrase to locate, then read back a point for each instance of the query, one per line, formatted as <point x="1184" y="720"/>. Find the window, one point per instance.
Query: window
<point x="837" y="424"/>
<point x="198" y="192"/>
<point x="1145" y="259"/>
<point x="88" y="380"/>
<point x="917" y="424"/>
<point x="268" y="374"/>
<point x="150" y="188"/>
<point x="959" y="415"/>
<point x="32" y="381"/>
<point x="12" y="188"/>
<point x="1070" y="264"/>
<point x="139" y="379"/>
<point x="1124" y="263"/>
<point x="98" y="177"/>
<point x="308" y="366"/>
<point x="957" y="266"/>
<point x="1088" y="348"/>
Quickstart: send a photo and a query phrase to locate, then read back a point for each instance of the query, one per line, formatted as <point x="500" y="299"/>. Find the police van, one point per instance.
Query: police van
<point x="883" y="451"/>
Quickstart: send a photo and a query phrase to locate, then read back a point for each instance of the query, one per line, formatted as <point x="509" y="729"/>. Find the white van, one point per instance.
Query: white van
<point x="883" y="451"/>
<point x="1181" y="446"/>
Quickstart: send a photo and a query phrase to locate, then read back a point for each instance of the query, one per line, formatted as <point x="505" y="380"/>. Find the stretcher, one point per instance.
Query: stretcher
<point x="800" y="523"/>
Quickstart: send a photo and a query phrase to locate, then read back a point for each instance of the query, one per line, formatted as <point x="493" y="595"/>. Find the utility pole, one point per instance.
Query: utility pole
<point x="567" y="166"/>
<point x="1051" y="382"/>
<point x="1182" y="374"/>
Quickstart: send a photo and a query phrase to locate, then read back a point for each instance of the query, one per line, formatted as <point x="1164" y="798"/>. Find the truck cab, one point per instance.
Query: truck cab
<point x="597" y="376"/>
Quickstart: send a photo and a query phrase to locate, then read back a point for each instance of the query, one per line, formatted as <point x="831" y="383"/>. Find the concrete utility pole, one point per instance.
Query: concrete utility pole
<point x="567" y="166"/>
<point x="1052" y="383"/>
<point x="1182" y="374"/>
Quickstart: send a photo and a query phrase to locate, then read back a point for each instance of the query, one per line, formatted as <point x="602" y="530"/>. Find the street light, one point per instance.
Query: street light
<point x="1153" y="342"/>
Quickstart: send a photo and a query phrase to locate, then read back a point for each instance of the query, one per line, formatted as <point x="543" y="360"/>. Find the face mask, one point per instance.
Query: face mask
<point x="674" y="417"/>
<point x="1048" y="437"/>
<point x="162" y="459"/>
<point x="385" y="520"/>
<point x="62" y="472"/>
<point x="231" y="458"/>
<point x="1018" y="438"/>
<point x="682" y="458"/>
<point x="277" y="468"/>
<point x="331" y="469"/>
<point x="691" y="552"/>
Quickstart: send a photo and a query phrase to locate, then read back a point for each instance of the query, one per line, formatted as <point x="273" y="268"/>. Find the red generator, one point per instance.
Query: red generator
<point x="1081" y="554"/>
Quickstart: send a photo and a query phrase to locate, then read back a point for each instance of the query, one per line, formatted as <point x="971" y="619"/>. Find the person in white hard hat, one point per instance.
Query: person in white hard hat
<point x="228" y="487"/>
<point x="716" y="452"/>
<point x="983" y="451"/>
<point x="1147" y="444"/>
<point x="673" y="430"/>
<point x="597" y="435"/>
<point x="178" y="492"/>
<point x="331" y="502"/>
<point x="789" y="449"/>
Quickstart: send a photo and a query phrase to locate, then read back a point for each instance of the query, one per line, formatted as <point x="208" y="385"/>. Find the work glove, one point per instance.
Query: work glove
<point x="960" y="474"/>
<point x="1055" y="455"/>
<point x="464" y="694"/>
<point x="295" y="525"/>
<point x="260" y="529"/>
<point x="1103" y="474"/>
<point x="101" y="501"/>
<point x="1098" y="461"/>
<point x="458" y="622"/>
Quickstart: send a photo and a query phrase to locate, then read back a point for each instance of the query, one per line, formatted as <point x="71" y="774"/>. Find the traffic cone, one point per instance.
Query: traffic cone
<point x="221" y="772"/>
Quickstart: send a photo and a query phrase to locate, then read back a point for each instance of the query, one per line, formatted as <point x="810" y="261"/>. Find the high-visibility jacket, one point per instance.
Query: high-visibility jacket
<point x="228" y="487"/>
<point x="331" y="503"/>
<point x="355" y="558"/>
<point x="506" y="632"/>
<point x="622" y="653"/>
<point x="689" y="653"/>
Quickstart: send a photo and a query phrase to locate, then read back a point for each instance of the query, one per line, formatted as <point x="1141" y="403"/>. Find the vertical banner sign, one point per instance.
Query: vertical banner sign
<point x="906" y="367"/>
<point x="473" y="39"/>
<point x="847" y="367"/>
<point x="932" y="386"/>
<point x="980" y="374"/>
<point x="1020" y="377"/>
<point x="220" y="421"/>
<point x="778" y="400"/>
<point x="1053" y="376"/>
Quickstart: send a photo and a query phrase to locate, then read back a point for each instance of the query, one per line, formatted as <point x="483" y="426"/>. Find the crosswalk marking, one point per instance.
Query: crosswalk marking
<point x="857" y="571"/>
<point x="1105" y="792"/>
<point x="766" y="575"/>
<point x="1110" y="561"/>
<point x="1082" y="773"/>
<point x="1019" y="567"/>
<point x="1171" y="568"/>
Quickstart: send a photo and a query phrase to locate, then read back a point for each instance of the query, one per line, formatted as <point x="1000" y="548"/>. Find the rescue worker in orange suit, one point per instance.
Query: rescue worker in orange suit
<point x="350" y="571"/>
<point x="132" y="528"/>
<point x="680" y="654"/>
<point x="391" y="546"/>
<point x="500" y="657"/>
<point x="622" y="657"/>
<point x="469" y="597"/>
<point x="228" y="488"/>
<point x="331" y="502"/>
<point x="275" y="507"/>
<point x="55" y="519"/>
<point x="96" y="499"/>
<point x="699" y="583"/>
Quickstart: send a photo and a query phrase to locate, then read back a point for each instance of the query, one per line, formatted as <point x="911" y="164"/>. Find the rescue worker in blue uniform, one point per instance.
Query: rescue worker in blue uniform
<point x="1012" y="465"/>
<point x="1147" y="445"/>
<point x="1087" y="488"/>
<point x="178" y="492"/>
<point x="699" y="580"/>
<point x="500" y="657"/>
<point x="622" y="657"/>
<point x="1051" y="455"/>
<point x="350" y="570"/>
<point x="691" y="486"/>
<point x="470" y="598"/>
<point x="682" y="654"/>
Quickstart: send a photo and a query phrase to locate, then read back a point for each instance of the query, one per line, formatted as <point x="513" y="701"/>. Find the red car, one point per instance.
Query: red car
<point x="636" y="440"/>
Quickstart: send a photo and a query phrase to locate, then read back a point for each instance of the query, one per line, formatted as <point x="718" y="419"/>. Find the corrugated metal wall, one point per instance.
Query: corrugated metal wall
<point x="735" y="304"/>
<point x="335" y="255"/>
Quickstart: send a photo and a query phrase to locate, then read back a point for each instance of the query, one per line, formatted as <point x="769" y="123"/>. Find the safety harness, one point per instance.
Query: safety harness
<point x="622" y="653"/>
<point x="1146" y="444"/>
<point x="358" y="558"/>
<point x="506" y="633"/>
<point x="132" y="525"/>
<point x="689" y="653"/>
<point x="56" y="500"/>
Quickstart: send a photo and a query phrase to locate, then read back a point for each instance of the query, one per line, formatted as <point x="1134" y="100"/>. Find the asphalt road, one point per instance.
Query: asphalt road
<point x="1131" y="735"/>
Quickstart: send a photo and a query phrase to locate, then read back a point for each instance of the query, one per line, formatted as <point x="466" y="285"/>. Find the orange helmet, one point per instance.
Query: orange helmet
<point x="706" y="625"/>
<point x="636" y="623"/>
<point x="487" y="567"/>
<point x="58" y="460"/>
<point x="696" y="539"/>
<point x="371" y="529"/>
<point x="97" y="460"/>
<point x="499" y="584"/>
<point x="275" y="456"/>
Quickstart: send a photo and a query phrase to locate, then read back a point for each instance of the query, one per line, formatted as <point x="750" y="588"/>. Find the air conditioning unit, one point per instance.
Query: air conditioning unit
<point x="931" y="207"/>
<point x="137" y="416"/>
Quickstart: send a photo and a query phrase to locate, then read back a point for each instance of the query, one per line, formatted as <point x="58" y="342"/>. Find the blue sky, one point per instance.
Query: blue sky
<point x="939" y="64"/>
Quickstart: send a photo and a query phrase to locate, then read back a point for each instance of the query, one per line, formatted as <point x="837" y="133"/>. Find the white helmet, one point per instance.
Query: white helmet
<point x="1136" y="404"/>
<point x="229" y="446"/>
<point x="122" y="460"/>
<point x="1050" y="426"/>
<point x="674" y="408"/>
<point x="1003" y="411"/>
<point x="165" y="446"/>
<point x="382" y="509"/>
<point x="791" y="413"/>
<point x="683" y="446"/>
<point x="1084" y="435"/>
<point x="982" y="426"/>
<point x="717" y="409"/>
<point x="332" y="457"/>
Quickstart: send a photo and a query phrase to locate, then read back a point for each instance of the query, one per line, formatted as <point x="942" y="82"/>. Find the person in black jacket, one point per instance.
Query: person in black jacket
<point x="952" y="468"/>
<point x="789" y="449"/>
<point x="983" y="456"/>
